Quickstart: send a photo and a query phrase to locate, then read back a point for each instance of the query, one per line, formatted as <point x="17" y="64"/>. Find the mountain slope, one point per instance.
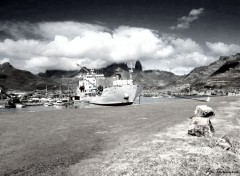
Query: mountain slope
<point x="150" y="78"/>
<point x="12" y="78"/>
<point x="156" y="79"/>
<point x="222" y="74"/>
<point x="202" y="73"/>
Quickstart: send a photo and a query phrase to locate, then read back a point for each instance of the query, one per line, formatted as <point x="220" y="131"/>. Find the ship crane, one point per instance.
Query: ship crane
<point x="83" y="68"/>
<point x="90" y="73"/>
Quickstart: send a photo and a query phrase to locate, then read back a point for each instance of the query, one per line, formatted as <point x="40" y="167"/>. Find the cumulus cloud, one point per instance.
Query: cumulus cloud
<point x="222" y="49"/>
<point x="4" y="60"/>
<point x="184" y="22"/>
<point x="60" y="45"/>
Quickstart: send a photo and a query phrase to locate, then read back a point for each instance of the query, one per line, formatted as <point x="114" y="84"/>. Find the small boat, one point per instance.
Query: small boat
<point x="155" y="96"/>
<point x="11" y="103"/>
<point x="19" y="105"/>
<point x="59" y="103"/>
<point x="197" y="98"/>
<point x="62" y="102"/>
<point x="33" y="102"/>
<point x="208" y="99"/>
<point x="8" y="106"/>
<point x="48" y="104"/>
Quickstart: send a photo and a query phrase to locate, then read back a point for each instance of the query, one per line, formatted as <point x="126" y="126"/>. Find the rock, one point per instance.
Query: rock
<point x="224" y="143"/>
<point x="138" y="66"/>
<point x="203" y="111"/>
<point x="201" y="126"/>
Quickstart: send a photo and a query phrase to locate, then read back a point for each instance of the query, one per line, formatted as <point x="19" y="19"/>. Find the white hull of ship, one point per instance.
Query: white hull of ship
<point x="117" y="95"/>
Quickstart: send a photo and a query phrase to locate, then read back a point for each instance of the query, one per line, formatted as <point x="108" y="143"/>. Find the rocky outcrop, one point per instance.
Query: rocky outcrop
<point x="138" y="66"/>
<point x="201" y="127"/>
<point x="203" y="111"/>
<point x="201" y="124"/>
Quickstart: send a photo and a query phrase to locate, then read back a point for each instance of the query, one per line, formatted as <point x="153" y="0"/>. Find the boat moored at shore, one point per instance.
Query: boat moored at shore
<point x="122" y="92"/>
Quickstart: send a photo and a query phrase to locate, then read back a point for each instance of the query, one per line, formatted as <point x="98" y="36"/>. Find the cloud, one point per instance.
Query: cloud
<point x="48" y="30"/>
<point x="4" y="60"/>
<point x="60" y="45"/>
<point x="184" y="22"/>
<point x="68" y="29"/>
<point x="222" y="49"/>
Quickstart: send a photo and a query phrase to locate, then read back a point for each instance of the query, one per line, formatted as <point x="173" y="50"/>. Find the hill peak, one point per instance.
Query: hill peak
<point x="6" y="67"/>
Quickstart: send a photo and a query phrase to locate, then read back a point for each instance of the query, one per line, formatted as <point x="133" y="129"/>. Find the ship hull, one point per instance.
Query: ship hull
<point x="117" y="95"/>
<point x="113" y="104"/>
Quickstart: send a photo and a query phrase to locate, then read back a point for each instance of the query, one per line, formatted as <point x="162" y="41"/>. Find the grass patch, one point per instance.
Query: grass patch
<point x="175" y="153"/>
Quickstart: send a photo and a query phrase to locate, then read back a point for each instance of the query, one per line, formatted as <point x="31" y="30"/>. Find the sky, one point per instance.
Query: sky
<point x="170" y="35"/>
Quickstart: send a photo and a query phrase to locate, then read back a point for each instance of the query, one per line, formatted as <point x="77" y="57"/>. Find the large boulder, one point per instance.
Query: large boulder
<point x="203" y="111"/>
<point x="201" y="126"/>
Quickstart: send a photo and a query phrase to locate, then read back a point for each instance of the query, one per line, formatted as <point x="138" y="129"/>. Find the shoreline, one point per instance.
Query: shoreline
<point x="70" y="141"/>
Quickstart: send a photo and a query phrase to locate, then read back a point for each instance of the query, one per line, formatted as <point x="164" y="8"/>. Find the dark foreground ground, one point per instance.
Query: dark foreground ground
<point x="48" y="143"/>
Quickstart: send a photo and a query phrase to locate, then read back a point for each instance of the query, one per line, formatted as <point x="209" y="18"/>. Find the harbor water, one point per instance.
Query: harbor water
<point x="80" y="105"/>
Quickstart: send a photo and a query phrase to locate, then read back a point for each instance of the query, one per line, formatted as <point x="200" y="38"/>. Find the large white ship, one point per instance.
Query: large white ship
<point x="121" y="91"/>
<point x="89" y="84"/>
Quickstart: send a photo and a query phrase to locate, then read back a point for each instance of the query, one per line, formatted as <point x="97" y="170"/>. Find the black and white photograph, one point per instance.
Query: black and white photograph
<point x="119" y="88"/>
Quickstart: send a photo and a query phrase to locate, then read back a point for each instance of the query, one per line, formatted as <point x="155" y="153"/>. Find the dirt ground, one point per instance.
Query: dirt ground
<point x="129" y="140"/>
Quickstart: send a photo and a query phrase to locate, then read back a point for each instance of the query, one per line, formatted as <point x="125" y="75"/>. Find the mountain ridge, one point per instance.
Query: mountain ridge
<point x="223" y="73"/>
<point x="16" y="79"/>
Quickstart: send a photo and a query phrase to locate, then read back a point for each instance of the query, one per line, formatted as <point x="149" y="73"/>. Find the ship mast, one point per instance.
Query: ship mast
<point x="131" y="69"/>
